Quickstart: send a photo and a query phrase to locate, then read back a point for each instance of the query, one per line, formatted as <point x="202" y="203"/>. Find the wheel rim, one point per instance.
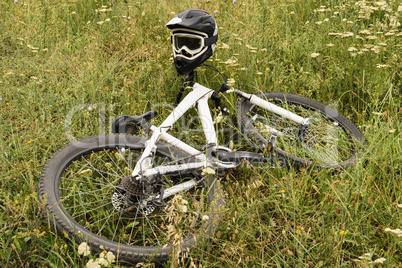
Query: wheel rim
<point x="325" y="142"/>
<point x="88" y="191"/>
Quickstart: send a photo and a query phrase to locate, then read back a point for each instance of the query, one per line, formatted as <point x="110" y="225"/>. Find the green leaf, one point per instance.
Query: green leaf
<point x="134" y="223"/>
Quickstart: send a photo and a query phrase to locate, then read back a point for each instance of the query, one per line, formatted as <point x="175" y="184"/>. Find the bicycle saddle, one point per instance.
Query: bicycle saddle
<point x="132" y="124"/>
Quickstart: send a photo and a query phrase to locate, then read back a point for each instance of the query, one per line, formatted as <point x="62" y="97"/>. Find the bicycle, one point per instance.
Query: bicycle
<point x="148" y="198"/>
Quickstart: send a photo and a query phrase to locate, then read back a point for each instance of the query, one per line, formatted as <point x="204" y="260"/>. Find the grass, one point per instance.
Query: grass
<point x="71" y="65"/>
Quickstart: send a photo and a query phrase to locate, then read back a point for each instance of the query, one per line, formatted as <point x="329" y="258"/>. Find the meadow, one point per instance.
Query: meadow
<point x="69" y="67"/>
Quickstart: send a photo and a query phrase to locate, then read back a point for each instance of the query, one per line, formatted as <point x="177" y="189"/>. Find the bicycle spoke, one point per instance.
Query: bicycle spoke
<point x="91" y="192"/>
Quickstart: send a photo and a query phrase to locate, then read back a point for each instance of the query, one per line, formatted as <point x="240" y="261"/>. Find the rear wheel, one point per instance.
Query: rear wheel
<point x="82" y="186"/>
<point x="330" y="140"/>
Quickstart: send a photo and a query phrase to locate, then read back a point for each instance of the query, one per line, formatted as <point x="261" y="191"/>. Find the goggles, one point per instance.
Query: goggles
<point x="191" y="43"/>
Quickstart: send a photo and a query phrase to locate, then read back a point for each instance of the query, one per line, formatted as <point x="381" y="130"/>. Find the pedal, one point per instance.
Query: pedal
<point x="272" y="141"/>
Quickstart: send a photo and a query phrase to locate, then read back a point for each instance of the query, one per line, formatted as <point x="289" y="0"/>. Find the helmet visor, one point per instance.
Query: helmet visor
<point x="191" y="43"/>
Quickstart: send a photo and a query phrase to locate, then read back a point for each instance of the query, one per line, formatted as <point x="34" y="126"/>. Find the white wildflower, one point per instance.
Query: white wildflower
<point x="207" y="170"/>
<point x="392" y="130"/>
<point x="259" y="73"/>
<point x="110" y="257"/>
<point x="330" y="45"/>
<point x="382" y="3"/>
<point x="382" y="66"/>
<point x="344" y="20"/>
<point x="171" y="229"/>
<point x="380" y="260"/>
<point x="400" y="8"/>
<point x="335" y="34"/>
<point x="389" y="34"/>
<point x="106" y="259"/>
<point x="399" y="205"/>
<point x="347" y="34"/>
<point x="363" y="50"/>
<point x="394" y="22"/>
<point x="83" y="249"/>
<point x="365" y="256"/>
<point x="33" y="48"/>
<point x="218" y="119"/>
<point x="314" y="55"/>
<point x="370" y="37"/>
<point x="382" y="44"/>
<point x="100" y="22"/>
<point x="230" y="61"/>
<point x="398" y="232"/>
<point x="230" y="82"/>
<point x="352" y="49"/>
<point x="183" y="208"/>
<point x="326" y="19"/>
<point x="250" y="47"/>
<point x="223" y="45"/>
<point x="93" y="264"/>
<point x="377" y="113"/>
<point x="103" y="261"/>
<point x="107" y="20"/>
<point x="205" y="217"/>
<point x="365" y="32"/>
<point x="105" y="9"/>
<point x="318" y="22"/>
<point x="375" y="49"/>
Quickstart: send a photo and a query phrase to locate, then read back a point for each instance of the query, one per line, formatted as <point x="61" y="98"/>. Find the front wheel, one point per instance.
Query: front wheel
<point x="81" y="186"/>
<point x="330" y="140"/>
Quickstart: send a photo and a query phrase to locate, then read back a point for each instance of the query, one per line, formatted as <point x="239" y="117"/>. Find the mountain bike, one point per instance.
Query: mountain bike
<point x="154" y="197"/>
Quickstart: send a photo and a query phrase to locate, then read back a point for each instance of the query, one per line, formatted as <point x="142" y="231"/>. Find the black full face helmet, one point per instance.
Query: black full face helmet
<point x="194" y="36"/>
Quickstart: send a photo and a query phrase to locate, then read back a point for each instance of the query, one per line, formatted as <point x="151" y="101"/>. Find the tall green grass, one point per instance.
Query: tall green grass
<point x="77" y="65"/>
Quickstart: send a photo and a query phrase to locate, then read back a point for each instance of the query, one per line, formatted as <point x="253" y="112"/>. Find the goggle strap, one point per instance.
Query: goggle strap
<point x="210" y="40"/>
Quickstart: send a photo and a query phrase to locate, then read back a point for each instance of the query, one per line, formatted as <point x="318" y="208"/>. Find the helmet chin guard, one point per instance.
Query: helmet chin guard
<point x="194" y="36"/>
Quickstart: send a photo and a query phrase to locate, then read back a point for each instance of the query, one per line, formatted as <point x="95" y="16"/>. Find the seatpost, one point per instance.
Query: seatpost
<point x="188" y="80"/>
<point x="190" y="77"/>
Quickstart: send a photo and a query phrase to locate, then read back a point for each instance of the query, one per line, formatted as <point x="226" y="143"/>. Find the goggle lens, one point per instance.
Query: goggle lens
<point x="191" y="44"/>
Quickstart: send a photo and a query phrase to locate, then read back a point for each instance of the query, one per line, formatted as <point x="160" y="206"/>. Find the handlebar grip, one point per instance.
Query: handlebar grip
<point x="224" y="88"/>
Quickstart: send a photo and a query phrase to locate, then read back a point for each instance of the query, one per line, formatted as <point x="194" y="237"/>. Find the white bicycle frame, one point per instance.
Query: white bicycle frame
<point x="200" y="96"/>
